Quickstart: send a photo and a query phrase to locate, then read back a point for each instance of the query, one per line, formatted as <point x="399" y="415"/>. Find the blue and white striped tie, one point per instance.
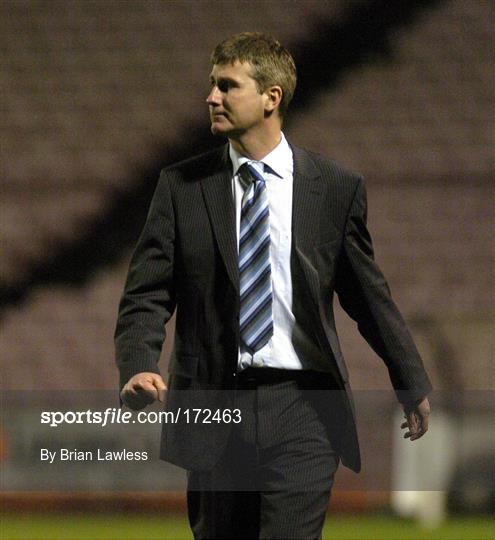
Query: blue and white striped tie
<point x="256" y="323"/>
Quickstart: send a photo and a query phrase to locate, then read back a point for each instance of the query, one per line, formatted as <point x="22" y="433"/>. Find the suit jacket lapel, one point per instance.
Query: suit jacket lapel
<point x="306" y="202"/>
<point x="307" y="196"/>
<point x="306" y="214"/>
<point x="217" y="193"/>
<point x="306" y="208"/>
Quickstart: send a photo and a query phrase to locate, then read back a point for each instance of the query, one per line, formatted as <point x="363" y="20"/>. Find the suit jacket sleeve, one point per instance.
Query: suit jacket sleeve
<point x="148" y="300"/>
<point x="364" y="294"/>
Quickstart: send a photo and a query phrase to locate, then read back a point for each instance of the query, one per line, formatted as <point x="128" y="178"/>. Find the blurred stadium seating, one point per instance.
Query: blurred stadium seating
<point x="97" y="96"/>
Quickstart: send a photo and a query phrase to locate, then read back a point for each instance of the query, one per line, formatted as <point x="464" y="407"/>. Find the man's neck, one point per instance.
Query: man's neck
<point x="257" y="146"/>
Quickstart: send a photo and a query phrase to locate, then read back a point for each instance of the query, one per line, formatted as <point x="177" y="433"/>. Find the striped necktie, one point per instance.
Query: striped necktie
<point x="255" y="318"/>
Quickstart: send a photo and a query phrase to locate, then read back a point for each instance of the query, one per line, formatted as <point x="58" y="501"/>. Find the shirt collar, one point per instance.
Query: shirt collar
<point x="279" y="160"/>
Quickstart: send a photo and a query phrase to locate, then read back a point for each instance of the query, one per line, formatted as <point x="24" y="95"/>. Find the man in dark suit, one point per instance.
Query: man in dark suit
<point x="248" y="243"/>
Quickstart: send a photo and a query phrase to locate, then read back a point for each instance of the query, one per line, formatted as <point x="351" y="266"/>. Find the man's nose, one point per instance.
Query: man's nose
<point x="214" y="96"/>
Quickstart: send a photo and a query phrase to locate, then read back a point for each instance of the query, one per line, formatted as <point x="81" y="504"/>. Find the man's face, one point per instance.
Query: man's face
<point x="235" y="104"/>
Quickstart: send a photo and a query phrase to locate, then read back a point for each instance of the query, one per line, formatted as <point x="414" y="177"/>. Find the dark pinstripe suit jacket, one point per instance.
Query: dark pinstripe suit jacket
<point x="186" y="259"/>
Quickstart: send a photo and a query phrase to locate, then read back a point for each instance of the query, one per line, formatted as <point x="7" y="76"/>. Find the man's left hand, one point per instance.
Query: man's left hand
<point x="416" y="419"/>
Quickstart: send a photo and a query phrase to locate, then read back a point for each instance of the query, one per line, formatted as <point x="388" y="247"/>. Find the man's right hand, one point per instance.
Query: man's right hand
<point x="142" y="389"/>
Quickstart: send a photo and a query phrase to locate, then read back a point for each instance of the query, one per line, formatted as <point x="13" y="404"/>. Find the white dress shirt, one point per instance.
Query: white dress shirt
<point x="280" y="351"/>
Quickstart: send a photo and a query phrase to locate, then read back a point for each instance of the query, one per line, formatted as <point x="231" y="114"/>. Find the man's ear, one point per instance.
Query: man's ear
<point x="274" y="97"/>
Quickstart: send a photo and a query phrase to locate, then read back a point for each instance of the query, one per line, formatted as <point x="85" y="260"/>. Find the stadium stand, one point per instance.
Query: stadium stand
<point x="100" y="95"/>
<point x="95" y="92"/>
<point x="420" y="128"/>
<point x="93" y="88"/>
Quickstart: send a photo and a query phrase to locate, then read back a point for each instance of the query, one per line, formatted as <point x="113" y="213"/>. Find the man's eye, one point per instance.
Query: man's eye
<point x="224" y="86"/>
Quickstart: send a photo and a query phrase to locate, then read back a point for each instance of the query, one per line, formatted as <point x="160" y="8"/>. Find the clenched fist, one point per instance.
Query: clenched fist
<point x="143" y="389"/>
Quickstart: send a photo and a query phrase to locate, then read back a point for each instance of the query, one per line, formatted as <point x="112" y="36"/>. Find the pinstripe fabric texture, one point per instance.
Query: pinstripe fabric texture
<point x="256" y="321"/>
<point x="276" y="484"/>
<point x="186" y="261"/>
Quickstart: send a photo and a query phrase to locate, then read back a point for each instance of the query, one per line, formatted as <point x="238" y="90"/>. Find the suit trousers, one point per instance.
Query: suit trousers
<point x="275" y="477"/>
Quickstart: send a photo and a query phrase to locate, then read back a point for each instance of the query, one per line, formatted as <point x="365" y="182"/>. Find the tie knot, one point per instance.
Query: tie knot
<point x="249" y="173"/>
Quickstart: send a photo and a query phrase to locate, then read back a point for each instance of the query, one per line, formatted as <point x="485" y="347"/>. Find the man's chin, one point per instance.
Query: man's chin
<point x="219" y="129"/>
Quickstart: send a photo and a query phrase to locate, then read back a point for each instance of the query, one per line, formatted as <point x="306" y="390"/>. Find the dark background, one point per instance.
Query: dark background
<point x="97" y="96"/>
